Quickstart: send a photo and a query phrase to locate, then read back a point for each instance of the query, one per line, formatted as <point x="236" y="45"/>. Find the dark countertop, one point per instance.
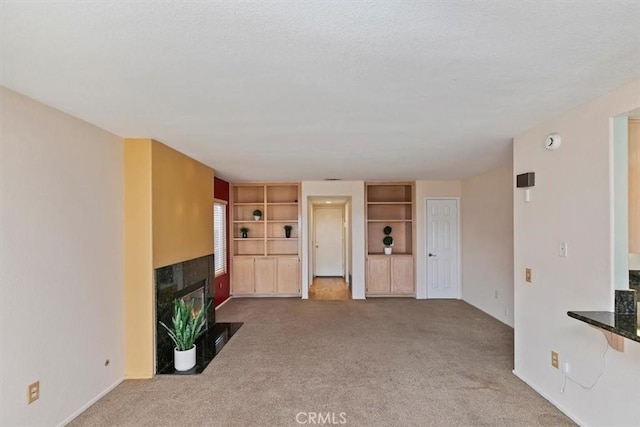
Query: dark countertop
<point x="625" y="325"/>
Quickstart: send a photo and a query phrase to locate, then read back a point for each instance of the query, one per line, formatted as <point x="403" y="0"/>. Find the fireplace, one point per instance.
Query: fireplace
<point x="189" y="280"/>
<point x="194" y="294"/>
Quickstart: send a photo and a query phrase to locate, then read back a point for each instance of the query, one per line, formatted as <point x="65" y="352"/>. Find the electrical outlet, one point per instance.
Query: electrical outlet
<point x="495" y="294"/>
<point x="33" y="392"/>
<point x="555" y="359"/>
<point x="528" y="275"/>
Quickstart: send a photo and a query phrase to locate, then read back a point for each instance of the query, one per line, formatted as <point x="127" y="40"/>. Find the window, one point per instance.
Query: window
<point x="220" y="236"/>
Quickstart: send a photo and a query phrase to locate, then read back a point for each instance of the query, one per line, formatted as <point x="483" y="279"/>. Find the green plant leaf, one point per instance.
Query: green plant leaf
<point x="186" y="328"/>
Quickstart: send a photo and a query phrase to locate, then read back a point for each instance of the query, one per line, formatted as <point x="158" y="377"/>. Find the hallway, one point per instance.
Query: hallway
<point x="329" y="288"/>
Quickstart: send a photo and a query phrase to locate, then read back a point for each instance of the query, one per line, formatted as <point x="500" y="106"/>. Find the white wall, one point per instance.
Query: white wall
<point x="487" y="242"/>
<point x="355" y="190"/>
<point x="621" y="202"/>
<point x="426" y="189"/>
<point x="61" y="256"/>
<point x="572" y="202"/>
<point x="347" y="240"/>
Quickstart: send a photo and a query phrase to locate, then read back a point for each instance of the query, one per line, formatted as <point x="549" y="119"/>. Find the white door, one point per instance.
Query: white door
<point x="328" y="241"/>
<point x="442" y="249"/>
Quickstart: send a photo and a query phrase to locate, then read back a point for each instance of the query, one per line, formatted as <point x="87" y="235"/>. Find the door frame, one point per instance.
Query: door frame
<point x="426" y="242"/>
<point x="342" y="208"/>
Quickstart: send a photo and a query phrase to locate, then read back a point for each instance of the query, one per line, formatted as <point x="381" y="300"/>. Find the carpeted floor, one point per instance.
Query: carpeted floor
<point x="380" y="362"/>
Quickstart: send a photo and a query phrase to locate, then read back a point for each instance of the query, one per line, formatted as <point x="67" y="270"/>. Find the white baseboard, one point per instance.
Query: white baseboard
<point x="224" y="302"/>
<point x="91" y="402"/>
<point x="562" y="409"/>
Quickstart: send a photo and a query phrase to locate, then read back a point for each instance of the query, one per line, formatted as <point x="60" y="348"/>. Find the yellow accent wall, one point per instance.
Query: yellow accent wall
<point x="182" y="207"/>
<point x="138" y="254"/>
<point x="634" y="186"/>
<point x="168" y="204"/>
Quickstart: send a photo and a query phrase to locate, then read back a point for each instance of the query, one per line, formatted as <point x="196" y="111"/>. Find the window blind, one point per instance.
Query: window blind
<point x="220" y="237"/>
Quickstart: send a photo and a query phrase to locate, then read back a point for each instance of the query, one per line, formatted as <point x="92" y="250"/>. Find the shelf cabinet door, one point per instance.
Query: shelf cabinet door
<point x="378" y="275"/>
<point x="243" y="276"/>
<point x="288" y="275"/>
<point x="265" y="275"/>
<point x="402" y="274"/>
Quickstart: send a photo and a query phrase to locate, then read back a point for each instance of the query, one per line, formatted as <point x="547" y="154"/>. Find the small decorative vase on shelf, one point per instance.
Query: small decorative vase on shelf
<point x="257" y="214"/>
<point x="287" y="231"/>
<point x="244" y="232"/>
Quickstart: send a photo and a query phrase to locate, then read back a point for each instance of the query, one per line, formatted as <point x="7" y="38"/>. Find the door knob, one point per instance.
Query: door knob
<point x="432" y="255"/>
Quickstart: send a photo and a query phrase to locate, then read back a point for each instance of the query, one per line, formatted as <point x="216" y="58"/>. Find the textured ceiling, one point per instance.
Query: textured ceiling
<point x="299" y="90"/>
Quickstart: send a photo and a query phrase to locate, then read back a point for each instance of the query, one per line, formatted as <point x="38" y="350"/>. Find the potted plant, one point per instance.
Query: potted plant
<point x="257" y="214"/>
<point x="184" y="331"/>
<point x="287" y="231"/>
<point x="387" y="241"/>
<point x="244" y="231"/>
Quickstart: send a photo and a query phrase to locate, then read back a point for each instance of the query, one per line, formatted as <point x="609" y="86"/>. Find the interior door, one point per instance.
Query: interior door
<point x="442" y="249"/>
<point x="328" y="241"/>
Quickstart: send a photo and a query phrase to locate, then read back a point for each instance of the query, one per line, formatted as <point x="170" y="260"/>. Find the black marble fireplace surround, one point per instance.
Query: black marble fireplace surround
<point x="188" y="278"/>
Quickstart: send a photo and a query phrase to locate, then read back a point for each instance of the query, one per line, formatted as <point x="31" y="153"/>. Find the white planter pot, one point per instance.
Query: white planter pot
<point x="387" y="250"/>
<point x="257" y="218"/>
<point x="184" y="360"/>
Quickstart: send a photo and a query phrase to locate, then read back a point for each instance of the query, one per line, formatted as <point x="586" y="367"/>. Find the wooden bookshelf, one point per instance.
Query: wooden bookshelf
<point x="390" y="204"/>
<point x="266" y="262"/>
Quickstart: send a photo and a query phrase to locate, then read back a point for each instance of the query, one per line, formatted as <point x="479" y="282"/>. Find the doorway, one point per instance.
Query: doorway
<point x="328" y="241"/>
<point x="329" y="249"/>
<point x="443" y="248"/>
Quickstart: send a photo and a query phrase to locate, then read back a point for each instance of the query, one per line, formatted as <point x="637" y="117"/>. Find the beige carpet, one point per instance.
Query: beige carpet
<point x="380" y="362"/>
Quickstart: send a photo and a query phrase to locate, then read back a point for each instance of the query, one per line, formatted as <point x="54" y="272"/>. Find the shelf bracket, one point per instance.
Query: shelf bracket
<point x="615" y="341"/>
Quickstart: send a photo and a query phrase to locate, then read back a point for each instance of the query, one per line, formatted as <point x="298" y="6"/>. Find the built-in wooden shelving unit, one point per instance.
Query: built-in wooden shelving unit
<point x="266" y="262"/>
<point x="390" y="204"/>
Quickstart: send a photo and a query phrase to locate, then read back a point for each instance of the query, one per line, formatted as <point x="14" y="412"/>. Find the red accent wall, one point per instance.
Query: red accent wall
<point x="223" y="283"/>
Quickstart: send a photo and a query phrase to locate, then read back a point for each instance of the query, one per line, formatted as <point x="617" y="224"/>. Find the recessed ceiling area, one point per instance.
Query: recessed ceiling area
<point x="290" y="91"/>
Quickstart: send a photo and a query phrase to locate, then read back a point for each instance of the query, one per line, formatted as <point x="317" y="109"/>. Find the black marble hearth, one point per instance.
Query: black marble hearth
<point x="208" y="346"/>
<point x="190" y="280"/>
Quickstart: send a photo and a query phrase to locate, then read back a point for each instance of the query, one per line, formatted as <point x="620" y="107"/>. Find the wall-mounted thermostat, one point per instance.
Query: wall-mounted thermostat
<point x="552" y="142"/>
